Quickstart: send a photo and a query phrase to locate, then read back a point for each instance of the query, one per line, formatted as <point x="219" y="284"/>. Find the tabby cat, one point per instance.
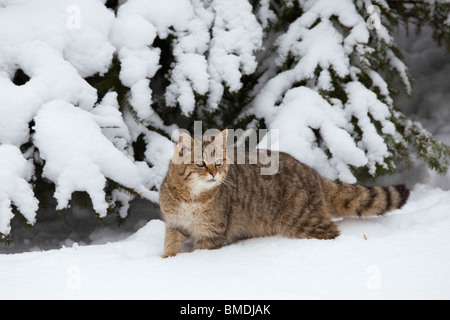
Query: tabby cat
<point x="217" y="202"/>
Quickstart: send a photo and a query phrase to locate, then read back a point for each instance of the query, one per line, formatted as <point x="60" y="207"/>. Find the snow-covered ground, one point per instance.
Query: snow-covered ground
<point x="404" y="255"/>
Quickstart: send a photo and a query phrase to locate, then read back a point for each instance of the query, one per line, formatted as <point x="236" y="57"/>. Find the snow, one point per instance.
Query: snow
<point x="15" y="173"/>
<point x="204" y="63"/>
<point x="302" y="111"/>
<point x="109" y="118"/>
<point x="137" y="65"/>
<point x="230" y="49"/>
<point x="45" y="52"/>
<point x="78" y="156"/>
<point x="405" y="256"/>
<point x="330" y="40"/>
<point x="362" y="103"/>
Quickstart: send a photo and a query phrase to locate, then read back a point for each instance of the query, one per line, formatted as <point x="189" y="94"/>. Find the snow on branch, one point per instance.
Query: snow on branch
<point x="15" y="175"/>
<point x="329" y="69"/>
<point x="78" y="157"/>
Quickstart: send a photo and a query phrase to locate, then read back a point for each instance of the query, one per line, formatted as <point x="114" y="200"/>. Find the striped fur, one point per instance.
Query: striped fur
<point x="348" y="200"/>
<point x="217" y="203"/>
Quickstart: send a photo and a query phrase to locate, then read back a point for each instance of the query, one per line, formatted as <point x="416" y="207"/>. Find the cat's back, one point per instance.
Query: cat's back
<point x="258" y="200"/>
<point x="272" y="170"/>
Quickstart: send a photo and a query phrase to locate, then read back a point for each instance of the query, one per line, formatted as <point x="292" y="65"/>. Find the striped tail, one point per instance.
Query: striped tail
<point x="347" y="200"/>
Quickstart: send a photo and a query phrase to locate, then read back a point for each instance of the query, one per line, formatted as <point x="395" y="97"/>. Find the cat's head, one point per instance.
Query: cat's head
<point x="201" y="165"/>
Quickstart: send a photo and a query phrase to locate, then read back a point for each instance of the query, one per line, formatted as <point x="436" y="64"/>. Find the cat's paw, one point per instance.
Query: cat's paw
<point x="168" y="255"/>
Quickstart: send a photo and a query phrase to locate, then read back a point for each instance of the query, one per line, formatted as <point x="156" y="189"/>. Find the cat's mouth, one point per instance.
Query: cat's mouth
<point x="212" y="180"/>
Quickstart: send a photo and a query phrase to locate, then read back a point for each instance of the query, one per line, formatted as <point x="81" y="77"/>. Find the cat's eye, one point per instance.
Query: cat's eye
<point x="218" y="164"/>
<point x="201" y="164"/>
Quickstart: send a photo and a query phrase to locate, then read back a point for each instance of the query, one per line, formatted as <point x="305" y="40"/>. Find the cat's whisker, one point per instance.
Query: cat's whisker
<point x="226" y="185"/>
<point x="227" y="182"/>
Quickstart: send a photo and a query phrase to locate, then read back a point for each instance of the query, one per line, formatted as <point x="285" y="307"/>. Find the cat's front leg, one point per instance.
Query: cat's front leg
<point x="210" y="243"/>
<point x="172" y="242"/>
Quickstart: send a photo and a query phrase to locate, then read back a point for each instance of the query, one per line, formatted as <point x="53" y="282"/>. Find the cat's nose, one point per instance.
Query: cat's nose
<point x="213" y="173"/>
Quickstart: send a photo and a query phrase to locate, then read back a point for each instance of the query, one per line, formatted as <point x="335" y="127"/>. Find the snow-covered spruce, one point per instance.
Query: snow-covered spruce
<point x="333" y="62"/>
<point x="76" y="140"/>
<point x="330" y="51"/>
<point x="315" y="70"/>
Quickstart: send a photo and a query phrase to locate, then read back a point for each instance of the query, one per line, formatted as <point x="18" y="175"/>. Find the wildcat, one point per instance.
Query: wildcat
<point x="218" y="202"/>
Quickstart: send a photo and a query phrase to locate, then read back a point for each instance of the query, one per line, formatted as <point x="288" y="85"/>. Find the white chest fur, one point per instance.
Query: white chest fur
<point x="190" y="216"/>
<point x="186" y="216"/>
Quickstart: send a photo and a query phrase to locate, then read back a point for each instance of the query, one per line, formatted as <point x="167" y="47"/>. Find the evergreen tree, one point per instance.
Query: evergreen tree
<point x="90" y="106"/>
<point x="343" y="51"/>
